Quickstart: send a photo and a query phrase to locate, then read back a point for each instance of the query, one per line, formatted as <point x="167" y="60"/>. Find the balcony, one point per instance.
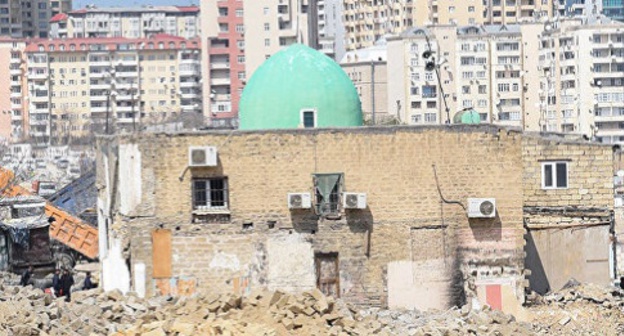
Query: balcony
<point x="219" y="65"/>
<point x="16" y="94"/>
<point x="100" y="63"/>
<point x="39" y="99"/>
<point x="121" y="74"/>
<point x="98" y="109"/>
<point x="16" y="106"/>
<point x="189" y="84"/>
<point x="101" y="98"/>
<point x="35" y="75"/>
<point x="100" y="86"/>
<point x="220" y="81"/>
<point x="15" y="72"/>
<point x="186" y="73"/>
<point x="190" y="95"/>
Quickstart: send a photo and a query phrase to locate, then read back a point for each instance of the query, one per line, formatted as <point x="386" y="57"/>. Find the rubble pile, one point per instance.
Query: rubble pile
<point x="30" y="311"/>
<point x="576" y="310"/>
<point x="580" y="309"/>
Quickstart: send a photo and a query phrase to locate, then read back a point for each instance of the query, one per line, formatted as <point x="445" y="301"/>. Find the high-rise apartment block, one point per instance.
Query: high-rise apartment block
<point x="79" y="86"/>
<point x="443" y="70"/>
<point x="367" y="21"/>
<point x="581" y="65"/>
<point x="29" y="18"/>
<point x="613" y="9"/>
<point x="223" y="59"/>
<point x="13" y="115"/>
<point x="127" y="22"/>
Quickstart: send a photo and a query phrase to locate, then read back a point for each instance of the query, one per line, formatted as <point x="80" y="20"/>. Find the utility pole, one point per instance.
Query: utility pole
<point x="436" y="68"/>
<point x="107" y="110"/>
<point x="373" y="90"/>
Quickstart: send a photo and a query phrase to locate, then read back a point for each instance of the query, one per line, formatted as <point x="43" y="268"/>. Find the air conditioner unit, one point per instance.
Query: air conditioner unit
<point x="481" y="207"/>
<point x="202" y="156"/>
<point x="354" y="201"/>
<point x="299" y="201"/>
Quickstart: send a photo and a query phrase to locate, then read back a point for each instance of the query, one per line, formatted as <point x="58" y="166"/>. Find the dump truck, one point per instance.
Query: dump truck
<point x="79" y="238"/>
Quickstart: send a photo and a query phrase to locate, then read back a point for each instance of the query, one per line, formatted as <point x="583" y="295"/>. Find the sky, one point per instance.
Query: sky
<point x="132" y="3"/>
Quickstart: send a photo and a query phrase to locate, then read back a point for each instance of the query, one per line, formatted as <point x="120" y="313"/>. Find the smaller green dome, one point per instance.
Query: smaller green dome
<point x="467" y="116"/>
<point x="297" y="86"/>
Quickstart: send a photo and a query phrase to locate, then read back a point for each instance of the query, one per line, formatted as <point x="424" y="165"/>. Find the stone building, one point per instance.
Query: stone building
<point x="411" y="241"/>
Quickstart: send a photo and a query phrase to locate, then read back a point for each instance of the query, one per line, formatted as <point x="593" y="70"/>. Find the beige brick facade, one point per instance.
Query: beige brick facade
<point x="408" y="248"/>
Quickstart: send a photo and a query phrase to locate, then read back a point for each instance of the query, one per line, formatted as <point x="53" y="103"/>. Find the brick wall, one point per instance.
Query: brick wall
<point x="569" y="228"/>
<point x="392" y="165"/>
<point x="590" y="167"/>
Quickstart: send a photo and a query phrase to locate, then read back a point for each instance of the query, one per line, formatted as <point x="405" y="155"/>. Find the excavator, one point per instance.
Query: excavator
<point x="75" y="235"/>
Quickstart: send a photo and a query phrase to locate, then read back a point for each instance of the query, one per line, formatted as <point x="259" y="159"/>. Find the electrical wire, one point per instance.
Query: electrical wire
<point x="435" y="174"/>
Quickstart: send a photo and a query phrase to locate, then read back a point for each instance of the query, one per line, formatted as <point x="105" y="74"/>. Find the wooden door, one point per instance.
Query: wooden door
<point x="327" y="273"/>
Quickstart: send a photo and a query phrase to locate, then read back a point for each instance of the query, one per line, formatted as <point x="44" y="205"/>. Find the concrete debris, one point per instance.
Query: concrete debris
<point x="579" y="309"/>
<point x="29" y="311"/>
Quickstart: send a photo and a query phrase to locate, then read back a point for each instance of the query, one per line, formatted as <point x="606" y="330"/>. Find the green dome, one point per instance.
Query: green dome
<point x="467" y="116"/>
<point x="295" y="80"/>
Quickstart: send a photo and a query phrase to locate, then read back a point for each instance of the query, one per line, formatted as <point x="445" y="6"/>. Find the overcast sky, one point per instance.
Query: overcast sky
<point x="126" y="3"/>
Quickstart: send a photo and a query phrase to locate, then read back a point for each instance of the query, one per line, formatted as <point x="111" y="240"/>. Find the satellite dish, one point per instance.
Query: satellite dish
<point x="426" y="54"/>
<point x="620" y="173"/>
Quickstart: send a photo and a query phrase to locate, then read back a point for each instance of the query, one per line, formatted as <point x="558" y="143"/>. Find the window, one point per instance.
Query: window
<point x="210" y="194"/>
<point x="555" y="175"/>
<point x="267" y="27"/>
<point x="482" y="89"/>
<point x="327" y="195"/>
<point x="308" y="118"/>
<point x="240" y="59"/>
<point x="267" y="42"/>
<point x="239" y="13"/>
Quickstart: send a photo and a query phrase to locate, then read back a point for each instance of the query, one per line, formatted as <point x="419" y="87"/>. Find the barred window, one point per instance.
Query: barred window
<point x="210" y="194"/>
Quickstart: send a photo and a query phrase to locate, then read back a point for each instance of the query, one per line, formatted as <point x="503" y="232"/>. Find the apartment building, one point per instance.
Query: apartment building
<point x="583" y="7"/>
<point x="27" y="18"/>
<point x="581" y="63"/>
<point x="129" y="22"/>
<point x="367" y="21"/>
<point x="80" y="86"/>
<point x="613" y="9"/>
<point x="11" y="85"/>
<point x="271" y="25"/>
<point x="368" y="70"/>
<point x="331" y="30"/>
<point x="223" y="57"/>
<point x="437" y="71"/>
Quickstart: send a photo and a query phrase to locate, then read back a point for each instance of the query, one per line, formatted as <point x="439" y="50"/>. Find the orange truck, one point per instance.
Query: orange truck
<point x="66" y="229"/>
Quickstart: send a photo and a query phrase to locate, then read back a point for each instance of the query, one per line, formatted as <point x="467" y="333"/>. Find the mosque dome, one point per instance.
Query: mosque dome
<point x="299" y="87"/>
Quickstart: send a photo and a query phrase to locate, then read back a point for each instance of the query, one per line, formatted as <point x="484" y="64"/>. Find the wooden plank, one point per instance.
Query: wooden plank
<point x="161" y="253"/>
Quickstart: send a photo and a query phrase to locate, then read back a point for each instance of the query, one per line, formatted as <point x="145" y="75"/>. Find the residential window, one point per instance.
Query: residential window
<point x="555" y="175"/>
<point x="210" y="194"/>
<point x="482" y="89"/>
<point x="308" y="118"/>
<point x="239" y="13"/>
<point x="267" y="42"/>
<point x="327" y="193"/>
<point x="471" y="9"/>
<point x="267" y="27"/>
<point x="241" y="59"/>
<point x="240" y="28"/>
<point x="466" y="89"/>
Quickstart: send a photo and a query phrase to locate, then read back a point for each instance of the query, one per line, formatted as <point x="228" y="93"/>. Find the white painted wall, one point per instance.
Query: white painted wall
<point x="291" y="264"/>
<point x="130" y="188"/>
<point x="115" y="272"/>
<point x="418" y="284"/>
